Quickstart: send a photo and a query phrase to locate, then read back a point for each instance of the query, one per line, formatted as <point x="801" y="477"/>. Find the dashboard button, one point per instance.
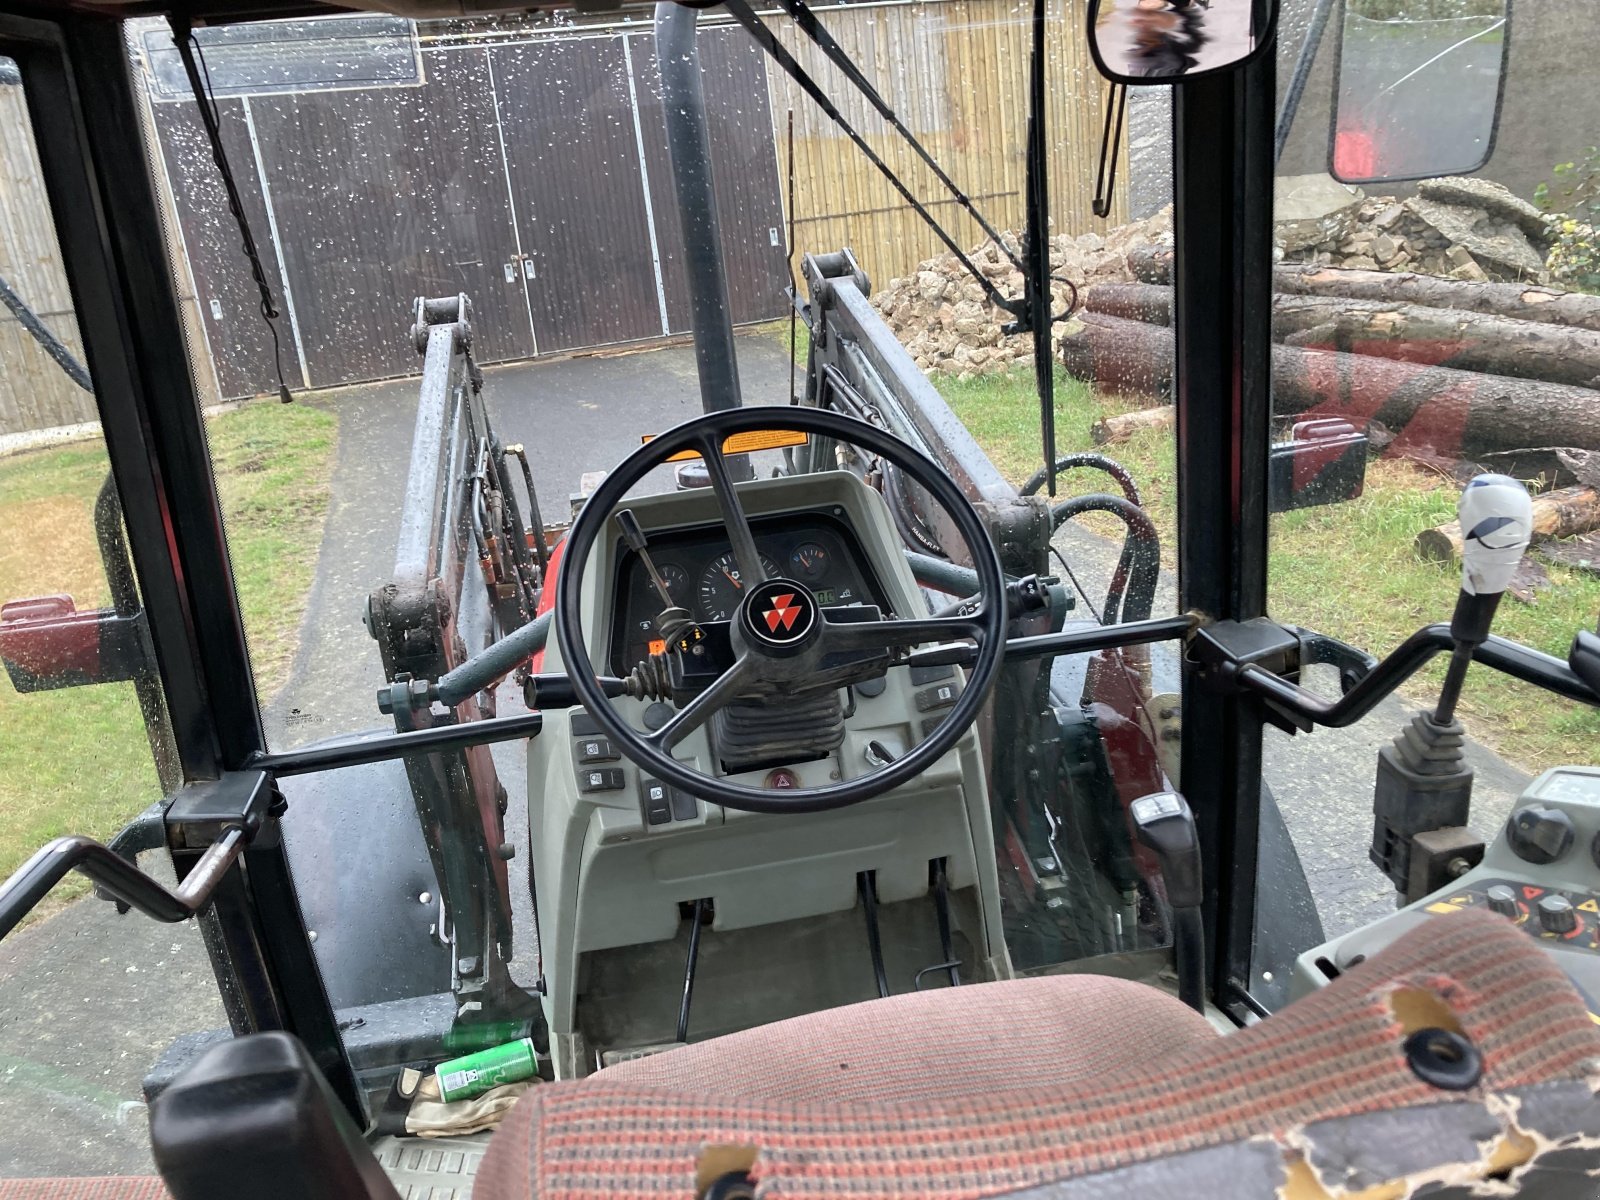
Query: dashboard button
<point x="872" y="687"/>
<point x="941" y="695"/>
<point x="781" y="779"/>
<point x="684" y="806"/>
<point x="931" y="674"/>
<point x="657" y="801"/>
<point x="583" y="725"/>
<point x="657" y="715"/>
<point x="596" y="750"/>
<point x="600" y="779"/>
<point x="929" y="724"/>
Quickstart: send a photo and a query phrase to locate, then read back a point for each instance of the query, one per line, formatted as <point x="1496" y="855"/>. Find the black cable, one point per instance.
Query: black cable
<point x="1105" y="181"/>
<point x="41" y="333"/>
<point x="1139" y="567"/>
<point x="193" y="58"/>
<point x="866" y="885"/>
<point x="768" y="41"/>
<point x="835" y="53"/>
<point x="688" y="970"/>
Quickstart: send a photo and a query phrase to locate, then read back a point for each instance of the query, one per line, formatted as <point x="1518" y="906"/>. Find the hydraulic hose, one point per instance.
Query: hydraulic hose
<point x="1138" y="568"/>
<point x="1098" y="462"/>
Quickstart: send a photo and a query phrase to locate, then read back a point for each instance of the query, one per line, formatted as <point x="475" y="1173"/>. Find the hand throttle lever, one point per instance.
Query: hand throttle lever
<point x="1163" y="822"/>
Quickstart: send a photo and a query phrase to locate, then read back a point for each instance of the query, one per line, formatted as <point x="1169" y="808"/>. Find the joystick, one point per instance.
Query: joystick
<point x="1424" y="786"/>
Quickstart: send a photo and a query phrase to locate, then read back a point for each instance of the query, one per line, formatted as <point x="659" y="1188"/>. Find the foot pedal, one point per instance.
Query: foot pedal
<point x="610" y="1058"/>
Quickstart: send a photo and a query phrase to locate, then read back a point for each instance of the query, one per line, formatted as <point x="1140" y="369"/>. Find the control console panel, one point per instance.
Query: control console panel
<point x="1541" y="872"/>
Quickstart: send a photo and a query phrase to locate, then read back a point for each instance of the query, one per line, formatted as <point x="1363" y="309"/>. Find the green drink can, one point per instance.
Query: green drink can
<point x="473" y="1074"/>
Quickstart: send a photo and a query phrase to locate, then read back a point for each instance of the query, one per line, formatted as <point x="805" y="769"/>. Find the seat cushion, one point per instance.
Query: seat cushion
<point x="97" y="1188"/>
<point x="984" y="1038"/>
<point x="1333" y="1054"/>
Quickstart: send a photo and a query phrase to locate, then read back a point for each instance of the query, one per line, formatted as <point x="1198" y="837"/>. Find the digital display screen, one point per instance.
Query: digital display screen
<point x="826" y="596"/>
<point x="657" y="646"/>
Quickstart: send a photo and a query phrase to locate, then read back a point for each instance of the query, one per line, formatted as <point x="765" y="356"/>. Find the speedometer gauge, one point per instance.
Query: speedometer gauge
<point x="722" y="586"/>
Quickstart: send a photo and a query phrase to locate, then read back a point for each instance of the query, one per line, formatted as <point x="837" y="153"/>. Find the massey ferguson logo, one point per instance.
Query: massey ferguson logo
<point x="782" y="614"/>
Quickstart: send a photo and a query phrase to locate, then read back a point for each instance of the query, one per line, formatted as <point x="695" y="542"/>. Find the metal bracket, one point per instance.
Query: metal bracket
<point x="1224" y="648"/>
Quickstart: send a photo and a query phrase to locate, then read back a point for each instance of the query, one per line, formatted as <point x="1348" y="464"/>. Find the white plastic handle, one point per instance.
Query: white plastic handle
<point x="1496" y="517"/>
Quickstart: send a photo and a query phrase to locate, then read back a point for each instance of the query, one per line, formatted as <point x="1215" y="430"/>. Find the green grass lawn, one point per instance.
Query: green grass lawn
<point x="77" y="760"/>
<point x="1348" y="570"/>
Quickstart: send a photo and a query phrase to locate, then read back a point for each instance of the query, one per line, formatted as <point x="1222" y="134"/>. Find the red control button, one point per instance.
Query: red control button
<point x="782" y="779"/>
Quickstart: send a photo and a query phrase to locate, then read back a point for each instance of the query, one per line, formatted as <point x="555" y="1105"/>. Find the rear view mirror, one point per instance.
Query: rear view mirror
<point x="1167" y="41"/>
<point x="1418" y="91"/>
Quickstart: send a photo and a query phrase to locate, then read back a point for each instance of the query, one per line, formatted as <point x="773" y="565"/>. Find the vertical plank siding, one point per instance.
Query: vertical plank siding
<point x="543" y="157"/>
<point x="34" y="392"/>
<point x="956" y="73"/>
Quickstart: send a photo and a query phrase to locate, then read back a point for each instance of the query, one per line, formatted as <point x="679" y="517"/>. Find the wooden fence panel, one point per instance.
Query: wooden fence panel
<point x="34" y="391"/>
<point x="955" y="71"/>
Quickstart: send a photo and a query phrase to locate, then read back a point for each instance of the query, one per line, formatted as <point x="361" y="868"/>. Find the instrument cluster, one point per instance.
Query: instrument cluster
<point x="702" y="575"/>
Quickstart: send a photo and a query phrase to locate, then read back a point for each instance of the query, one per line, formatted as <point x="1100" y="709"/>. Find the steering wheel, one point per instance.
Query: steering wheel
<point x="779" y="635"/>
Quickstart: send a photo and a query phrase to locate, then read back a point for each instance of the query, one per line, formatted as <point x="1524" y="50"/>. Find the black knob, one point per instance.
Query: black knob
<point x="1503" y="900"/>
<point x="1556" y="914"/>
<point x="1539" y="834"/>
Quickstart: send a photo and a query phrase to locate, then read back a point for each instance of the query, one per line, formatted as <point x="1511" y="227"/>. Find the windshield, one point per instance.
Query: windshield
<point x="475" y="276"/>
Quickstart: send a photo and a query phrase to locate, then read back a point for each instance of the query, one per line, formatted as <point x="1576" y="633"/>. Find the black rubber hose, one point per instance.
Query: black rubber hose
<point x="1189" y="951"/>
<point x="1139" y="567"/>
<point x="1098" y="462"/>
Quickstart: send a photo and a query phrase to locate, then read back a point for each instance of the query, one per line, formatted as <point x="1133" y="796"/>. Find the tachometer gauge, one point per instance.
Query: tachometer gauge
<point x="722" y="587"/>
<point x="809" y="560"/>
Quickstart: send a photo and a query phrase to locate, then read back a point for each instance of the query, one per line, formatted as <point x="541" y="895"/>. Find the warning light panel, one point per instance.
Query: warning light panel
<point x="657" y="646"/>
<point x="742" y="443"/>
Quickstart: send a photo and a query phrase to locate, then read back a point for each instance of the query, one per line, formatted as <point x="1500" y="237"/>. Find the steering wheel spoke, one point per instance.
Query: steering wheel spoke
<point x="703" y="707"/>
<point x="751" y="572"/>
<point x="883" y="635"/>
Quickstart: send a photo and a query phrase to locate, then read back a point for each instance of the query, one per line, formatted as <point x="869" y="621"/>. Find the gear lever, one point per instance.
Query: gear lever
<point x="1424" y="787"/>
<point x="1163" y="822"/>
<point x="1496" y="518"/>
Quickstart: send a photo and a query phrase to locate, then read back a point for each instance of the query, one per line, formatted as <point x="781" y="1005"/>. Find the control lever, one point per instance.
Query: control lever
<point x="1025" y="595"/>
<point x="1163" y="822"/>
<point x="1496" y="518"/>
<point x="676" y="626"/>
<point x="1423" y="794"/>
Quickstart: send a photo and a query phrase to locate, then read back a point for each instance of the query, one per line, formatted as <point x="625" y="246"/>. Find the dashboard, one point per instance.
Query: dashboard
<point x="703" y="577"/>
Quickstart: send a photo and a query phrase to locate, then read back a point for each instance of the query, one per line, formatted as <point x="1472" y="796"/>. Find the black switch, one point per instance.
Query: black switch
<point x="931" y="674"/>
<point x="600" y="779"/>
<point x="940" y="695"/>
<point x="657" y="801"/>
<point x="684" y="806"/>
<point x="929" y="724"/>
<point x="583" y="725"/>
<point x="596" y="750"/>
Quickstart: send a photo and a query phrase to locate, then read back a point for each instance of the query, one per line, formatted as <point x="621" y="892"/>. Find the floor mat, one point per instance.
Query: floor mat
<point x="432" y="1168"/>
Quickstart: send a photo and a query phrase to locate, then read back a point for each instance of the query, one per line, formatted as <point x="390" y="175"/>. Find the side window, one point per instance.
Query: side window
<point x="91" y="999"/>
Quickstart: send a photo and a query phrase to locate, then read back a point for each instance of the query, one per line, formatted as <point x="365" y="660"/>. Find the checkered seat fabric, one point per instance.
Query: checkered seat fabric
<point x="967" y="1103"/>
<point x="97" y="1188"/>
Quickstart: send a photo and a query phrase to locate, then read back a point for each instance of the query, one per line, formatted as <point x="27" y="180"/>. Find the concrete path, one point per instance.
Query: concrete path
<point x="88" y="1000"/>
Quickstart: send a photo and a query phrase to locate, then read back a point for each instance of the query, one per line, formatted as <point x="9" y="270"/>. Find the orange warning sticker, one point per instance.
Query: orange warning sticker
<point x="742" y="443"/>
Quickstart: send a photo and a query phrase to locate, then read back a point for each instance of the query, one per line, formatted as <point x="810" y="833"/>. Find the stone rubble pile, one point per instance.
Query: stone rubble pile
<point x="943" y="318"/>
<point x="1467" y="229"/>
